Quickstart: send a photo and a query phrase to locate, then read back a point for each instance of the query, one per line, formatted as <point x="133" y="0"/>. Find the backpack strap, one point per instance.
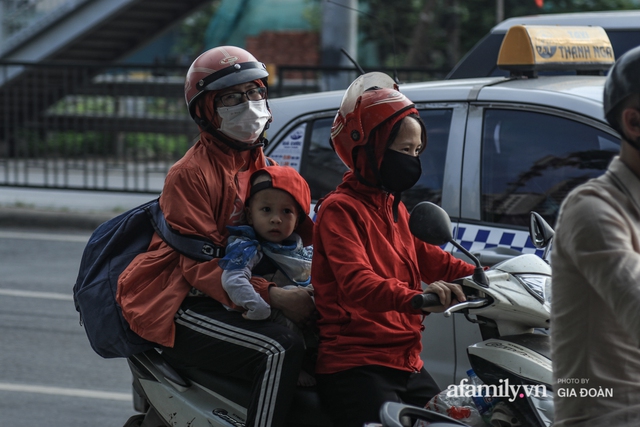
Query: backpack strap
<point x="195" y="247"/>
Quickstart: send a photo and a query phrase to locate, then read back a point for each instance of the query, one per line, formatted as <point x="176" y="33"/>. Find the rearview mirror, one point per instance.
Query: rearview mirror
<point x="431" y="224"/>
<point x="540" y="231"/>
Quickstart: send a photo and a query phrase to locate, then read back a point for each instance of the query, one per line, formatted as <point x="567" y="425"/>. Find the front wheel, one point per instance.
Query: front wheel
<point x="134" y="421"/>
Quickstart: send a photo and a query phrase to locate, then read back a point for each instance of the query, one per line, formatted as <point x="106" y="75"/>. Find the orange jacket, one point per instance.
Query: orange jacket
<point x="199" y="197"/>
<point x="365" y="270"/>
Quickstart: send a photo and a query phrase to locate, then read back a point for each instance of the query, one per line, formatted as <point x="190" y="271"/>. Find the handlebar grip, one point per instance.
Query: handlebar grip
<point x="425" y="300"/>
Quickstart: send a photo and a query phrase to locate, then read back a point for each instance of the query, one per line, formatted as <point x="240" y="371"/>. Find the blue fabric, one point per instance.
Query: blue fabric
<point x="110" y="249"/>
<point x="290" y="255"/>
<point x="243" y="245"/>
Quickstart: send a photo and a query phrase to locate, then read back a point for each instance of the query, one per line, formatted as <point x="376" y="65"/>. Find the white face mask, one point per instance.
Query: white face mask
<point x="244" y="122"/>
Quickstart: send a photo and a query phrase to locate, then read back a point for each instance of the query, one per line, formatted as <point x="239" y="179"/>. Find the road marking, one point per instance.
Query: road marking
<point x="60" y="391"/>
<point x="44" y="236"/>
<point x="34" y="294"/>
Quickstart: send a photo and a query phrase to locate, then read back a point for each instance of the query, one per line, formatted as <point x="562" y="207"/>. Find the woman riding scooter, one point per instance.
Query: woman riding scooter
<point x="179" y="303"/>
<point x="367" y="266"/>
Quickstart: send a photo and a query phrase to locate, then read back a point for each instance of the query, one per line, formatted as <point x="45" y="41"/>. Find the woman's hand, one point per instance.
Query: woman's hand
<point x="295" y="303"/>
<point x="449" y="294"/>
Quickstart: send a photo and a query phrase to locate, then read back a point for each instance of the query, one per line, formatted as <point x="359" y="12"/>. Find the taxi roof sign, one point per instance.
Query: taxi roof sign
<point x="531" y="48"/>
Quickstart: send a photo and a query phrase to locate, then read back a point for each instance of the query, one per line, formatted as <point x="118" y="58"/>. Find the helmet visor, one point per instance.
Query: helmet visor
<point x="360" y="85"/>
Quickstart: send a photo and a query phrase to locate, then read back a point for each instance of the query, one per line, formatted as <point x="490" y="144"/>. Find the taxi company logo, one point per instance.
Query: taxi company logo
<point x="504" y="390"/>
<point x="546" y="51"/>
<point x="297" y="135"/>
<point x="575" y="53"/>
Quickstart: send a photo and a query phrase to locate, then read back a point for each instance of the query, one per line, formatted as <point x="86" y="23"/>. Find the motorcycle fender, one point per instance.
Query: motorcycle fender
<point x="515" y="359"/>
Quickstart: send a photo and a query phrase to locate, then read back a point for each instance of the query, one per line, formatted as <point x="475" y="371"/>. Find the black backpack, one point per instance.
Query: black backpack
<point x="112" y="246"/>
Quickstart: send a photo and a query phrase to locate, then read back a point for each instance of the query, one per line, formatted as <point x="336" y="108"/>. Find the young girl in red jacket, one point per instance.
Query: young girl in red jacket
<point x="367" y="265"/>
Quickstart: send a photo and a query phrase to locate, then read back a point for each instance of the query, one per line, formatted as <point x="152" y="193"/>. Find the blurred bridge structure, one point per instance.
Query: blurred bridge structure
<point x="74" y="115"/>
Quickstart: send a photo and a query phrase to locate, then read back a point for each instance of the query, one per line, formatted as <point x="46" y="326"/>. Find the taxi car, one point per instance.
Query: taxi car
<point x="622" y="28"/>
<point x="498" y="148"/>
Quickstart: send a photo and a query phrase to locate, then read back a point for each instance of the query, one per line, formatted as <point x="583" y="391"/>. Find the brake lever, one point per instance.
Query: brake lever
<point x="475" y="303"/>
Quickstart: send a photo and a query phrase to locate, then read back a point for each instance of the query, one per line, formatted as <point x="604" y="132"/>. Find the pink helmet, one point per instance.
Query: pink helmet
<point x="372" y="99"/>
<point x="220" y="68"/>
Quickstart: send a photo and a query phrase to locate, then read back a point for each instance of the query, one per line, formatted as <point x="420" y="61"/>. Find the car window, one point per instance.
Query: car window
<point x="433" y="159"/>
<point x="289" y="151"/>
<point x="622" y="41"/>
<point x="480" y="61"/>
<point x="322" y="168"/>
<point x="307" y="148"/>
<point x="530" y="161"/>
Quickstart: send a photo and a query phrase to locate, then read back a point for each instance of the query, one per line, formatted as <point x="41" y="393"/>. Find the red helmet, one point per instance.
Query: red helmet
<point x="219" y="68"/>
<point x="369" y="101"/>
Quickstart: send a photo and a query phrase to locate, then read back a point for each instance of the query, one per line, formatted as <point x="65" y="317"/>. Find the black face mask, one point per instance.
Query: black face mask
<point x="399" y="171"/>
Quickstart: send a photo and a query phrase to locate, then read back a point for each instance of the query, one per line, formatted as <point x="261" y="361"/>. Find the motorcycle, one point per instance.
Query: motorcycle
<point x="195" y="398"/>
<point x="510" y="303"/>
<point x="166" y="396"/>
<point x="506" y="302"/>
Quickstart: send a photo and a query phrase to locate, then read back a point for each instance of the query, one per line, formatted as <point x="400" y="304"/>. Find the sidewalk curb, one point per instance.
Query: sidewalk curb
<point x="21" y="217"/>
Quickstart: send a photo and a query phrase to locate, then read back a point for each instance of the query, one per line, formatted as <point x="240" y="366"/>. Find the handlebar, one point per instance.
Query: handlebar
<point x="425" y="300"/>
<point x="474" y="303"/>
<point x="432" y="300"/>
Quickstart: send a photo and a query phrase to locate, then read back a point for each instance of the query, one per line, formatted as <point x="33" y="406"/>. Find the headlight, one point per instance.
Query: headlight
<point x="538" y="285"/>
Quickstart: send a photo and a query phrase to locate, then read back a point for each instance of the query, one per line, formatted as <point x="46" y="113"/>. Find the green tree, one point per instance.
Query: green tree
<point x="433" y="34"/>
<point x="389" y="25"/>
<point x="190" y="39"/>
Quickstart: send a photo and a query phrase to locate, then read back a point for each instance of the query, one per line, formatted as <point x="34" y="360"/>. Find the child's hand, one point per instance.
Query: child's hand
<point x="257" y="311"/>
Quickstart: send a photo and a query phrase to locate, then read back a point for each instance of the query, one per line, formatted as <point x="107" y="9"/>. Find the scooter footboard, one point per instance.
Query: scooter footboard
<point x="305" y="408"/>
<point x="153" y="377"/>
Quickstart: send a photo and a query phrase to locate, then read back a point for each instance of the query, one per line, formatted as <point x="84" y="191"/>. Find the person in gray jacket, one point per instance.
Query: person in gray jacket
<point x="595" y="308"/>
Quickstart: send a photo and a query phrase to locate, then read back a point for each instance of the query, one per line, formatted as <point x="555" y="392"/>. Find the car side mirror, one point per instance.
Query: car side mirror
<point x="431" y="224"/>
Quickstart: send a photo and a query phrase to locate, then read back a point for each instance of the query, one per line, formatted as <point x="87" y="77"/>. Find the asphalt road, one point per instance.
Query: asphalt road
<point x="49" y="375"/>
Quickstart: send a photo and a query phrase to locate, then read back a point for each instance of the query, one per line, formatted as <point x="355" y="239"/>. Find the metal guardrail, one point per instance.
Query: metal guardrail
<point x="90" y="126"/>
<point x="292" y="80"/>
<point x="107" y="128"/>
